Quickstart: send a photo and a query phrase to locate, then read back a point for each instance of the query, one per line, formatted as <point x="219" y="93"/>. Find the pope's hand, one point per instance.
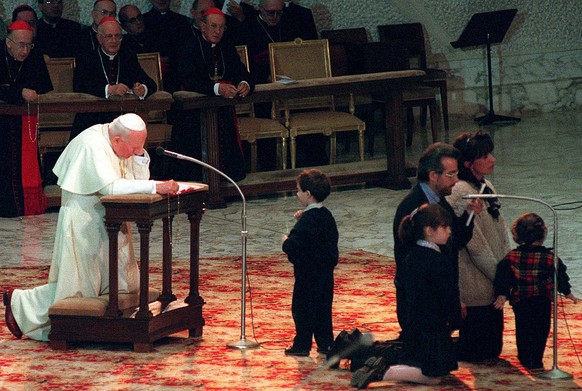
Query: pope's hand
<point x="170" y="187"/>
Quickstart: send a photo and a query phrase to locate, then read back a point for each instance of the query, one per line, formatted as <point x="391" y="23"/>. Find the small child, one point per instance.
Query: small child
<point x="526" y="276"/>
<point x="432" y="304"/>
<point x="312" y="248"/>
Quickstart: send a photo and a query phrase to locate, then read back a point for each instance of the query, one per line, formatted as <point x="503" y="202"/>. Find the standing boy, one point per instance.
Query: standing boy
<point x="526" y="277"/>
<point x="312" y="249"/>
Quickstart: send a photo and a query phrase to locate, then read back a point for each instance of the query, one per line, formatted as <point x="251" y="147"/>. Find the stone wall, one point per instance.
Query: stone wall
<point x="538" y="67"/>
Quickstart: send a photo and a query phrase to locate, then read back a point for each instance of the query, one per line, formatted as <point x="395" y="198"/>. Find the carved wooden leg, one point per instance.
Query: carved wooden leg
<point x="144" y="228"/>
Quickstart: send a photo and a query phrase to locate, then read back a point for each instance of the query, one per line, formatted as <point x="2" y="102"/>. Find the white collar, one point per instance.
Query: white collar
<point x="111" y="58"/>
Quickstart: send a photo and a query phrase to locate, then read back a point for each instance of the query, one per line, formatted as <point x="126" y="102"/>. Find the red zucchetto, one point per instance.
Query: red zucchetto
<point x="213" y="11"/>
<point x="19" y="25"/>
<point x="108" y="19"/>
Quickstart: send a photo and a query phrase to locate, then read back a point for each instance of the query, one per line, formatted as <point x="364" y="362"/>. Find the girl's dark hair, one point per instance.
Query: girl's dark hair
<point x="412" y="226"/>
<point x="316" y="182"/>
<point x="529" y="228"/>
<point x="472" y="147"/>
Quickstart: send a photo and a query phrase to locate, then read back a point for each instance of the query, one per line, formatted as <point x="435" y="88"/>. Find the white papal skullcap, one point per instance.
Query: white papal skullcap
<point x="126" y="123"/>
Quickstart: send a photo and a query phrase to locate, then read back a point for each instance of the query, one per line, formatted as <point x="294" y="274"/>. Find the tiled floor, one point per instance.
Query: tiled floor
<point x="538" y="157"/>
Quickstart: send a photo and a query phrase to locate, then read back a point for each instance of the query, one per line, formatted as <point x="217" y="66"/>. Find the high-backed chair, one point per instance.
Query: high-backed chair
<point x="344" y="51"/>
<point x="251" y="128"/>
<point x="55" y="128"/>
<point x="300" y="60"/>
<point x="410" y="37"/>
<point x="381" y="57"/>
<point x="159" y="131"/>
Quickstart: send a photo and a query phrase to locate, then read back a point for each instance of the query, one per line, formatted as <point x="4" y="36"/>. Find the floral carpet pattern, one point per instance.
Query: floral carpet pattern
<point x="364" y="298"/>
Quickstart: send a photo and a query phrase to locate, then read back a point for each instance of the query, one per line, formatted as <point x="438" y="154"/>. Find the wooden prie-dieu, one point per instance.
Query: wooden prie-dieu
<point x="150" y="321"/>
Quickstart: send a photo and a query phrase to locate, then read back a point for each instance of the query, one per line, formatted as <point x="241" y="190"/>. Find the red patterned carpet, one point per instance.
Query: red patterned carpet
<point x="364" y="298"/>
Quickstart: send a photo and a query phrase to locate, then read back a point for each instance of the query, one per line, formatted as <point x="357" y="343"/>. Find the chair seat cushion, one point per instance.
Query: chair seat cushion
<point x="325" y="122"/>
<point x="96" y="306"/>
<point x="419" y="93"/>
<point x="252" y="129"/>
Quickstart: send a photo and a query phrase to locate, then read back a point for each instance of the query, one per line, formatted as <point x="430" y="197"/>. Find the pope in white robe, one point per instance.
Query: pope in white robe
<point x="104" y="159"/>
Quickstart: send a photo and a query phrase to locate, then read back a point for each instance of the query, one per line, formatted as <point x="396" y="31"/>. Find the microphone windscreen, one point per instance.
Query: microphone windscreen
<point x="160" y="151"/>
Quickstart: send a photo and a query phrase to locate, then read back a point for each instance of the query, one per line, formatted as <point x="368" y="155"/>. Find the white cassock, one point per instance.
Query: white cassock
<point x="87" y="169"/>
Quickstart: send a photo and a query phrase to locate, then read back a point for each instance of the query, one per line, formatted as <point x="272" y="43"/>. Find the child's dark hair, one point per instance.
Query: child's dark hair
<point x="529" y="228"/>
<point x="412" y="226"/>
<point x="316" y="182"/>
<point x="472" y="147"/>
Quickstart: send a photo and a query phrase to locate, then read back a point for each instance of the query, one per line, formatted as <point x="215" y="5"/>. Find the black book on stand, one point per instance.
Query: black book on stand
<point x="487" y="28"/>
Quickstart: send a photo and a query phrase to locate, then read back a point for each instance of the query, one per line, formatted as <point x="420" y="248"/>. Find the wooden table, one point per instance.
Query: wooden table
<point x="76" y="102"/>
<point x="171" y="316"/>
<point x="390" y="84"/>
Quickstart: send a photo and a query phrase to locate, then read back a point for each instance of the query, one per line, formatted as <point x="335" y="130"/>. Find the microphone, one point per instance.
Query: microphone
<point x="164" y="152"/>
<point x="242" y="343"/>
<point x="472" y="212"/>
<point x="472" y="196"/>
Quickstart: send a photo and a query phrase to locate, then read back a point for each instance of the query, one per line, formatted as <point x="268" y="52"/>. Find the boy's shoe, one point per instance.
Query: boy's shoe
<point x="293" y="351"/>
<point x="373" y="370"/>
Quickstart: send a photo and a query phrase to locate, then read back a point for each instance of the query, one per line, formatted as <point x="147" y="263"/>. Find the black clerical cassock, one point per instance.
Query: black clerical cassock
<point x="201" y="66"/>
<point x="21" y="190"/>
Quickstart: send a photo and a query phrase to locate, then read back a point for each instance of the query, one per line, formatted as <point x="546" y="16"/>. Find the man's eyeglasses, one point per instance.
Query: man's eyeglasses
<point x="49" y="2"/>
<point x="22" y="45"/>
<point x="138" y="18"/>
<point x="273" y="13"/>
<point x="107" y="13"/>
<point x="451" y="175"/>
<point x="111" y="37"/>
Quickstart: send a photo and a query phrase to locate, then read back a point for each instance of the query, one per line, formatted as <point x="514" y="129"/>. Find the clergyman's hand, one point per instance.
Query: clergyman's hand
<point x="29" y="95"/>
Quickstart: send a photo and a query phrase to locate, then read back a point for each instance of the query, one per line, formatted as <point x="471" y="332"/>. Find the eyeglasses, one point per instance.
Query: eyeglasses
<point x="111" y="37"/>
<point x="214" y="26"/>
<point x="451" y="175"/>
<point x="22" y="45"/>
<point x="135" y="19"/>
<point x="107" y="13"/>
<point x="31" y="22"/>
<point x="49" y="2"/>
<point x="273" y="13"/>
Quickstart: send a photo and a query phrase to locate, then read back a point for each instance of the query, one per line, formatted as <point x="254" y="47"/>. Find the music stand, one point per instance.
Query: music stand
<point x="485" y="29"/>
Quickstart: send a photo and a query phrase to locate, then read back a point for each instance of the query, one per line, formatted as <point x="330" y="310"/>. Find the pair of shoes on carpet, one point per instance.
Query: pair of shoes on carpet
<point x="341" y="345"/>
<point x="293" y="351"/>
<point x="372" y="371"/>
<point x="10" y="321"/>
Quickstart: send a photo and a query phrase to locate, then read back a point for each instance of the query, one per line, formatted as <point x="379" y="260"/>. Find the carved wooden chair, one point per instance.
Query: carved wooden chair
<point x="410" y="37"/>
<point x="251" y="128"/>
<point x="55" y="128"/>
<point x="300" y="60"/>
<point x="381" y="57"/>
<point x="159" y="131"/>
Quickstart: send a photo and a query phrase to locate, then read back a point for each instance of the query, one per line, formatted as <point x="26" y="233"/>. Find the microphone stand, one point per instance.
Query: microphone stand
<point x="242" y="343"/>
<point x="555" y="372"/>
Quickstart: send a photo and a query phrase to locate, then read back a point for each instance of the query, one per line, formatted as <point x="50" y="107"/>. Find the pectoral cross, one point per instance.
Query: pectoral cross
<point x="216" y="77"/>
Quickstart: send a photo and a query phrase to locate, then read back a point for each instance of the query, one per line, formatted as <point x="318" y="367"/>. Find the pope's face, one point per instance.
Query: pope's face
<point x="130" y="145"/>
